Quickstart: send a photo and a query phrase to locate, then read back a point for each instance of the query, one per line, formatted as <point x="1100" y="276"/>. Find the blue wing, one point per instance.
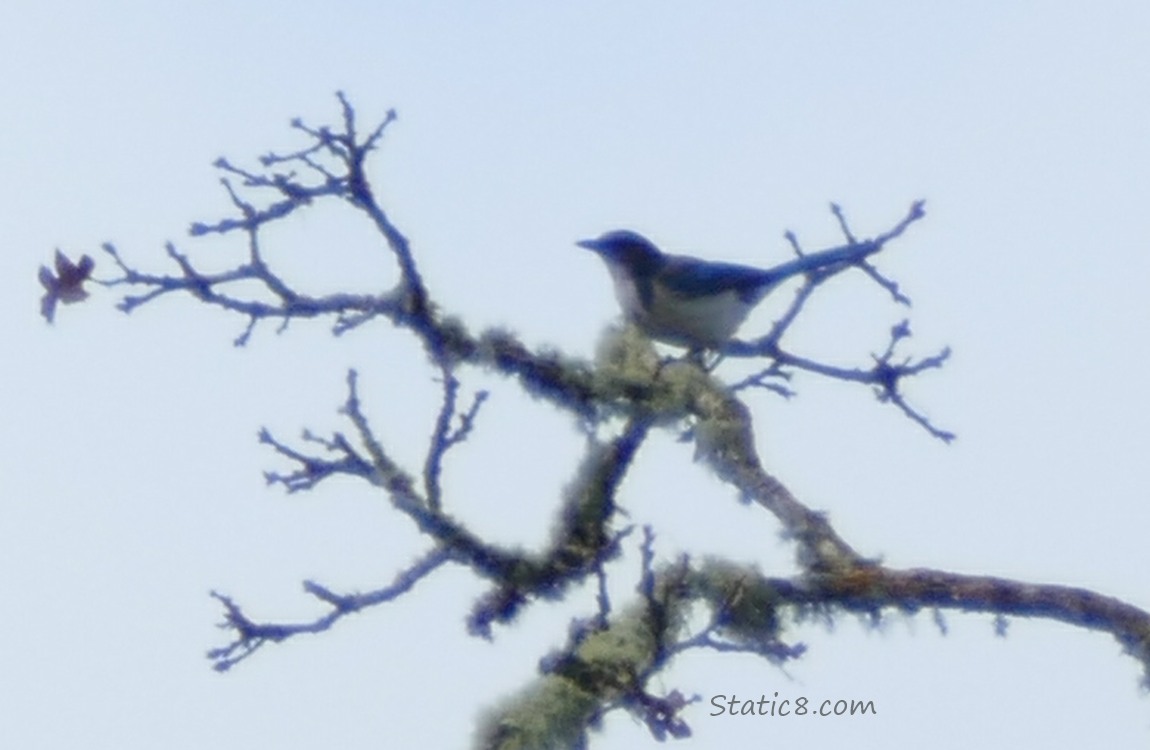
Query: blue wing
<point x="690" y="277"/>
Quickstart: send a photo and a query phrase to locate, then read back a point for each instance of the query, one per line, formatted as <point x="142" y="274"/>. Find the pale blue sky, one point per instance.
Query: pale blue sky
<point x="133" y="478"/>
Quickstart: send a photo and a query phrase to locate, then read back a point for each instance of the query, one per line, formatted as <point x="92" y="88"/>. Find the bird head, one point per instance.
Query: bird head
<point x="630" y="250"/>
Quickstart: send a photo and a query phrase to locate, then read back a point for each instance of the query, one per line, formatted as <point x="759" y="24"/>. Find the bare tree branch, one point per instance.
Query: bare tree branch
<point x="612" y="654"/>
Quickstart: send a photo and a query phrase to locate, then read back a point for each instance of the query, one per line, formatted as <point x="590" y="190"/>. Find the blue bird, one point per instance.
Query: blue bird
<point x="690" y="302"/>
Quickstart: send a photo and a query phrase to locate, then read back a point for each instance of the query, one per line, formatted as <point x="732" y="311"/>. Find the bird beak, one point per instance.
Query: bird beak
<point x="592" y="245"/>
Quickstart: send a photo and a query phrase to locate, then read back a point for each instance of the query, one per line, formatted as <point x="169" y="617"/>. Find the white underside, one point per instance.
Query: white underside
<point x="684" y="321"/>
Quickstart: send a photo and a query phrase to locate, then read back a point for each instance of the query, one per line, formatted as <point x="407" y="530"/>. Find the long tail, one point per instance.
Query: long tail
<point x="837" y="256"/>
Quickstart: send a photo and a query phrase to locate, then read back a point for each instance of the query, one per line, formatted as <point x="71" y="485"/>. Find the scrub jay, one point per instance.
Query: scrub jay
<point x="690" y="302"/>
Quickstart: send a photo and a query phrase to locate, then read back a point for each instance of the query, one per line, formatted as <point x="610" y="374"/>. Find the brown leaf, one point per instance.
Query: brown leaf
<point x="67" y="285"/>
